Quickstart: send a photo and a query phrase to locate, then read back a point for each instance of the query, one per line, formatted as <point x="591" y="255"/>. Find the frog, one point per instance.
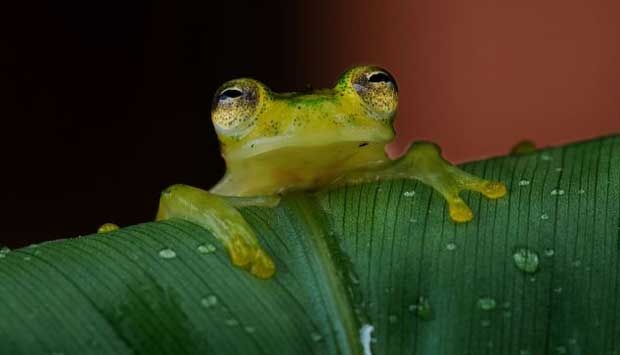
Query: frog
<point x="275" y="143"/>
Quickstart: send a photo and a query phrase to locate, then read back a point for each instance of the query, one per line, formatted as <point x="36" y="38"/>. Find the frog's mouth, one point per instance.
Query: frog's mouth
<point x="353" y="138"/>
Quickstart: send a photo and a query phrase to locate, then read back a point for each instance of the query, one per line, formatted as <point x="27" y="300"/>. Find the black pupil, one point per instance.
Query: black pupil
<point x="230" y="93"/>
<point x="380" y="77"/>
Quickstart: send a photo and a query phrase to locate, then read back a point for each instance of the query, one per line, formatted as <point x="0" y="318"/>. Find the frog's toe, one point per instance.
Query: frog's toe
<point x="459" y="211"/>
<point x="107" y="228"/>
<point x="493" y="189"/>
<point x="251" y="257"/>
<point x="263" y="266"/>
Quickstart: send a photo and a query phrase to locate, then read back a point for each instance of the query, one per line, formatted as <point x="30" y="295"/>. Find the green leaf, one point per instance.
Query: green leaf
<point x="535" y="272"/>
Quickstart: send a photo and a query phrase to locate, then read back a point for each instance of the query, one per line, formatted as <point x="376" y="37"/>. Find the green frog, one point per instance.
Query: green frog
<point x="278" y="142"/>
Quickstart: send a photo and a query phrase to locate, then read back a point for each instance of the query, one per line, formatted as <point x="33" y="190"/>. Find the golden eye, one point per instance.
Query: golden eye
<point x="377" y="89"/>
<point x="235" y="105"/>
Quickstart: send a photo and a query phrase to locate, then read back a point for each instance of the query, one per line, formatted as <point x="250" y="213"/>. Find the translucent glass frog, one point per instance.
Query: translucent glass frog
<point x="273" y="143"/>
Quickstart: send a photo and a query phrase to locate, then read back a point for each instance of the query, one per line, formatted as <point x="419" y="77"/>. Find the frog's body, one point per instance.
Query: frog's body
<point x="273" y="143"/>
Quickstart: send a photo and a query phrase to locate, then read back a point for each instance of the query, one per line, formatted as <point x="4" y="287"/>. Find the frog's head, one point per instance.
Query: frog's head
<point x="250" y="119"/>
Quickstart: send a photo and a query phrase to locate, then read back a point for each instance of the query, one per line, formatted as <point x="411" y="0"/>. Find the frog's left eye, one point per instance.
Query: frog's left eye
<point x="235" y="105"/>
<point x="377" y="89"/>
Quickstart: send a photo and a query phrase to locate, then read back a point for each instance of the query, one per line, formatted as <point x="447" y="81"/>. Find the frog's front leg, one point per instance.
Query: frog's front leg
<point x="219" y="215"/>
<point x="423" y="161"/>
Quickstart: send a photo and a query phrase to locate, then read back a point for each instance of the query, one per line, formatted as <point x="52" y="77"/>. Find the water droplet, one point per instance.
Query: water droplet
<point x="316" y="337"/>
<point x="485" y="323"/>
<point x="409" y="193"/>
<point x="423" y="309"/>
<point x="544" y="216"/>
<point x="249" y="329"/>
<point x="167" y="253"/>
<point x="393" y="319"/>
<point x="526" y="260"/>
<point x="549" y="252"/>
<point x="413" y="220"/>
<point x="209" y="301"/>
<point x="558" y="169"/>
<point x="27" y="258"/>
<point x="532" y="279"/>
<point x="486" y="303"/>
<point x="206" y="248"/>
<point x="366" y="338"/>
<point x="546" y="157"/>
<point x="450" y="246"/>
<point x="557" y="290"/>
<point x="557" y="192"/>
<point x="560" y="349"/>
<point x="232" y="322"/>
<point x="581" y="191"/>
<point x="577" y="263"/>
<point x="524" y="182"/>
<point x="412" y="307"/>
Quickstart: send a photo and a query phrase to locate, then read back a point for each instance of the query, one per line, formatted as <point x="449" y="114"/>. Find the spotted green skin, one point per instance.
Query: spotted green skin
<point x="273" y="143"/>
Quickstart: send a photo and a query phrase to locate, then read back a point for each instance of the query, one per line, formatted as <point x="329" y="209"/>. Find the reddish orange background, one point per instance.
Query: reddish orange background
<point x="477" y="76"/>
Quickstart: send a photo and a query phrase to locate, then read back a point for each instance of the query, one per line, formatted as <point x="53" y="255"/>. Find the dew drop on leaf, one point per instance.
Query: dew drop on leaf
<point x="206" y="248"/>
<point x="526" y="260"/>
<point x="409" y="193"/>
<point x="423" y="309"/>
<point x="524" y="182"/>
<point x="232" y="322"/>
<point x="557" y="192"/>
<point x="167" y="253"/>
<point x="549" y="252"/>
<point x="316" y="337"/>
<point x="209" y="301"/>
<point x="450" y="246"/>
<point x="249" y="329"/>
<point x="544" y="216"/>
<point x="486" y="303"/>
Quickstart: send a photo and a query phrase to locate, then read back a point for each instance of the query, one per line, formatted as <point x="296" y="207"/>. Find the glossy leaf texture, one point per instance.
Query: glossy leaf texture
<point x="536" y="272"/>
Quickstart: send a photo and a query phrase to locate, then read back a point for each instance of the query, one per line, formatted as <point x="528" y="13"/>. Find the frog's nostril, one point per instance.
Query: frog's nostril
<point x="230" y="93"/>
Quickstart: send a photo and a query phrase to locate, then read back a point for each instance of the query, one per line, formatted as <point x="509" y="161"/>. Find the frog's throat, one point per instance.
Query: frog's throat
<point x="268" y="144"/>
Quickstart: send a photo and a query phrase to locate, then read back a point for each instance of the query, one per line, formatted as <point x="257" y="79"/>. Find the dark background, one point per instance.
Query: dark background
<point x="105" y="104"/>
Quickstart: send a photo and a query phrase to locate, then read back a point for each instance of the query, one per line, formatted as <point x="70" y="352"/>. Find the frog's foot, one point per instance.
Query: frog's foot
<point x="107" y="228"/>
<point x="423" y="161"/>
<point x="221" y="218"/>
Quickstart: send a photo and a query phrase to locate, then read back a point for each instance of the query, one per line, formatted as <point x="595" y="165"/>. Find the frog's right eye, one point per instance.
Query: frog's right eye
<point x="235" y="106"/>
